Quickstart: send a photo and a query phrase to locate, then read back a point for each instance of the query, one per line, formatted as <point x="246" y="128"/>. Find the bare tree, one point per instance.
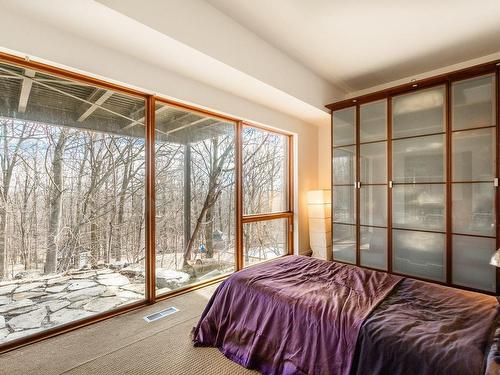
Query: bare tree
<point x="55" y="196"/>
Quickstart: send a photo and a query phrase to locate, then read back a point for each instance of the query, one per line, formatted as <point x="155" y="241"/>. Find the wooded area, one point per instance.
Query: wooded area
<point x="75" y="198"/>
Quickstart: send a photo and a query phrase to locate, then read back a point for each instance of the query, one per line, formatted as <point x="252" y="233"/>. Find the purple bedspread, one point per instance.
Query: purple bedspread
<point x="293" y="315"/>
<point x="426" y="329"/>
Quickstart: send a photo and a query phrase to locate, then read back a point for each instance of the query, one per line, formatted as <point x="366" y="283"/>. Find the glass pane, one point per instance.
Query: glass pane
<point x="419" y="254"/>
<point x="344" y="165"/>
<point x="471" y="262"/>
<point x="265" y="171"/>
<point x="195" y="197"/>
<point x="264" y="240"/>
<point x="421" y="112"/>
<point x="344" y="243"/>
<point x="373" y="205"/>
<point x="373" y="163"/>
<point x="474" y="209"/>
<point x="344" y="204"/>
<point x="373" y="121"/>
<point x="473" y="103"/>
<point x="419" y="159"/>
<point x="419" y="207"/>
<point x="374" y="247"/>
<point x="72" y="203"/>
<point x="344" y="127"/>
<point x="474" y="155"/>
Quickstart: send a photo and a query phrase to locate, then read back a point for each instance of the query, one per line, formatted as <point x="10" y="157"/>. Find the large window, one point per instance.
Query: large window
<point x="111" y="198"/>
<point x="267" y="204"/>
<point x="72" y="201"/>
<point x="195" y="197"/>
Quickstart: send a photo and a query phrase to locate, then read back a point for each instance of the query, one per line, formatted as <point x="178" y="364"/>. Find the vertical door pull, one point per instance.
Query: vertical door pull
<point x="495" y="182"/>
<point x="390" y="184"/>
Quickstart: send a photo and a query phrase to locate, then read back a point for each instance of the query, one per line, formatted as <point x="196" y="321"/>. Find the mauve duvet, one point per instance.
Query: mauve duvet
<point x="293" y="315"/>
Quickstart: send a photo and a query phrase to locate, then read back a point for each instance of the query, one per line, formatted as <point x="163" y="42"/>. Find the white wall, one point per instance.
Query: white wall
<point x="48" y="44"/>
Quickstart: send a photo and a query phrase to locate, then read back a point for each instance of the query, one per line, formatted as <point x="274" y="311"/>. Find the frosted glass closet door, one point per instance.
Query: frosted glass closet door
<point x="344" y="182"/>
<point x="473" y="189"/>
<point x="373" y="187"/>
<point x="419" y="184"/>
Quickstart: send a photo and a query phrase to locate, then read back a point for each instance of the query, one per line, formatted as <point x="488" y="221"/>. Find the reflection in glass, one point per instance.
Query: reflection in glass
<point x="265" y="171"/>
<point x="473" y="102"/>
<point x="195" y="195"/>
<point x="344" y="165"/>
<point x="419" y="206"/>
<point x="373" y="121"/>
<point x="344" y="127"/>
<point x="474" y="155"/>
<point x="344" y="204"/>
<point x="418" y="113"/>
<point x="471" y="262"/>
<point x="374" y="247"/>
<point x="373" y="205"/>
<point x="373" y="163"/>
<point x="344" y="243"/>
<point x="419" y="159"/>
<point x="474" y="209"/>
<point x="264" y="240"/>
<point x="419" y="254"/>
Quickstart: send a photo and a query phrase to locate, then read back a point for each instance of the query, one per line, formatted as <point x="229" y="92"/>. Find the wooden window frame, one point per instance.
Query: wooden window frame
<point x="446" y="80"/>
<point x="151" y="100"/>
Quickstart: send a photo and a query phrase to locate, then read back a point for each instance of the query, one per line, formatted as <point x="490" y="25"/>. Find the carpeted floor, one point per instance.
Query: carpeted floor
<point x="127" y="345"/>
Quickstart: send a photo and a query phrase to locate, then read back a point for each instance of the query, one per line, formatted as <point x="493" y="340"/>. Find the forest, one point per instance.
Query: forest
<point x="74" y="198"/>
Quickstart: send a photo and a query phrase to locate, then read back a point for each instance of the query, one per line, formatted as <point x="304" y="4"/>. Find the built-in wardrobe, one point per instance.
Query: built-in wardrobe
<point x="415" y="179"/>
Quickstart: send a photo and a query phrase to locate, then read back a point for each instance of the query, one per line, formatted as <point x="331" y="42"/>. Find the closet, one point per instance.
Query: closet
<point x="415" y="176"/>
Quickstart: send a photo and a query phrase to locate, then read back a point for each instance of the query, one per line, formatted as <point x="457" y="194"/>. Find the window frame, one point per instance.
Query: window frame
<point x="286" y="214"/>
<point x="150" y="296"/>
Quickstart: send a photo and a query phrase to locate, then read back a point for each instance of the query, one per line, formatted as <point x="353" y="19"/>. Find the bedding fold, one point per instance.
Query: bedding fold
<point x="292" y="315"/>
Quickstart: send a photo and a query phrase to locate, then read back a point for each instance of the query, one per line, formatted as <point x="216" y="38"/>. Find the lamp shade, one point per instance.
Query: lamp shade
<point x="495" y="259"/>
<point x="319" y="196"/>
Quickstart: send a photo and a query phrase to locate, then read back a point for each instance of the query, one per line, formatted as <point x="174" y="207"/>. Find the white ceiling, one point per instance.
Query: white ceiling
<point x="363" y="43"/>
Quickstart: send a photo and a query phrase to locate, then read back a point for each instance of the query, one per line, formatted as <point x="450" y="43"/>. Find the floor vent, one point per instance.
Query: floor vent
<point x="160" y="314"/>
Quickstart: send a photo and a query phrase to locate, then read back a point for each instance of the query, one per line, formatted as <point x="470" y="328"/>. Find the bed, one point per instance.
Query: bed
<point x="299" y="315"/>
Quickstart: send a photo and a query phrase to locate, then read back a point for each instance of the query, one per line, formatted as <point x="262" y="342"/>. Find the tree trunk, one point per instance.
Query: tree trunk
<point x="55" y="199"/>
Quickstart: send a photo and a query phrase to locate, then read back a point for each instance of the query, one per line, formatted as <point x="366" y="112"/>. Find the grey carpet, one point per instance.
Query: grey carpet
<point x="127" y="345"/>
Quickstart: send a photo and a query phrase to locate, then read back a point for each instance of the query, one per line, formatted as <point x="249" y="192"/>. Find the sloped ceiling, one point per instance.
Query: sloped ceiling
<point x="364" y="43"/>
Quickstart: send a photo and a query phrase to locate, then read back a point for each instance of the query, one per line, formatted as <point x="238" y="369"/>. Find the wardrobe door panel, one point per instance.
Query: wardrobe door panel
<point x="420" y="112"/>
<point x="344" y="127"/>
<point x="471" y="262"/>
<point x="420" y="254"/>
<point x="374" y="247"/>
<point x="344" y="243"/>
<point x="473" y="103"/>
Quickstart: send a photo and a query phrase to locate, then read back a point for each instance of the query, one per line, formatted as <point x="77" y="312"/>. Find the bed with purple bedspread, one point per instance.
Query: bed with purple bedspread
<point x="298" y="315"/>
